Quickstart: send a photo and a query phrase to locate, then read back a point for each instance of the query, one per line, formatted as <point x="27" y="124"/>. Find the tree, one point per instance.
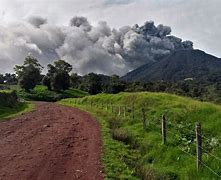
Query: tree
<point x="46" y="81"/>
<point x="75" y="80"/>
<point x="10" y="78"/>
<point x="2" y="79"/>
<point x="92" y="83"/>
<point x="29" y="74"/>
<point x="58" y="77"/>
<point x="115" y="85"/>
<point x="60" y="81"/>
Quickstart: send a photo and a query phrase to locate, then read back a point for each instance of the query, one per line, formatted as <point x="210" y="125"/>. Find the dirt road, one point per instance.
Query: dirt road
<point x="52" y="142"/>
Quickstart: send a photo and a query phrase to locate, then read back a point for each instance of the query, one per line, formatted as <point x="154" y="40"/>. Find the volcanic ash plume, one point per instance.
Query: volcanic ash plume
<point x="88" y="48"/>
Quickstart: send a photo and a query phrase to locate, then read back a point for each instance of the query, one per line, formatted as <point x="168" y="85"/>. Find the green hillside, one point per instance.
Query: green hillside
<point x="131" y="152"/>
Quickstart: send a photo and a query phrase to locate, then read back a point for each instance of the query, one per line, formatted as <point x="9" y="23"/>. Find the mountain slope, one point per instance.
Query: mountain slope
<point x="179" y="65"/>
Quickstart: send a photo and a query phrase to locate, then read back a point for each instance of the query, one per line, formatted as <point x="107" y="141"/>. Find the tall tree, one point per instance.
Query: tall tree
<point x="75" y="80"/>
<point x="58" y="77"/>
<point x="1" y="79"/>
<point x="92" y="83"/>
<point x="29" y="74"/>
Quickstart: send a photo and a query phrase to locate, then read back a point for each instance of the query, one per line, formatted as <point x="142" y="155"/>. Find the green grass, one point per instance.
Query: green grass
<point x="41" y="93"/>
<point x="16" y="110"/>
<point x="5" y="91"/>
<point x="116" y="154"/>
<point x="143" y="152"/>
<point x="10" y="107"/>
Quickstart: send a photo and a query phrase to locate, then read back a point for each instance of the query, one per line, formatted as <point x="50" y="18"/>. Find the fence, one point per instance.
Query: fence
<point x="129" y="111"/>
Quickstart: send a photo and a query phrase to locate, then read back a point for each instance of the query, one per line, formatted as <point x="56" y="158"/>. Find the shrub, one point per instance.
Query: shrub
<point x="125" y="136"/>
<point x="115" y="123"/>
<point x="8" y="98"/>
<point x="148" y="173"/>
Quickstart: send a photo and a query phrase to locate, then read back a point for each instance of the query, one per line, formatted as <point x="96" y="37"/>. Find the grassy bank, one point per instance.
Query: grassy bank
<point x="16" y="110"/>
<point x="9" y="105"/>
<point x="145" y="156"/>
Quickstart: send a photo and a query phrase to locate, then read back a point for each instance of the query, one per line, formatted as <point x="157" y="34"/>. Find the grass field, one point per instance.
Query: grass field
<point x="132" y="152"/>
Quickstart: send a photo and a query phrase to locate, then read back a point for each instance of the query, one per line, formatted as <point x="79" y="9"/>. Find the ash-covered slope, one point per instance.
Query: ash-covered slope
<point x="179" y="65"/>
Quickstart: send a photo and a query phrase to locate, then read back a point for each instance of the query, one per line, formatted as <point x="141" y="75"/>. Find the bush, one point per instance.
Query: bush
<point x="124" y="136"/>
<point x="148" y="173"/>
<point x="115" y="123"/>
<point x="8" y="98"/>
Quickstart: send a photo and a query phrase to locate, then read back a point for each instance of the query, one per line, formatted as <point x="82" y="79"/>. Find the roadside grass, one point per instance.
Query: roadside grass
<point x="10" y="107"/>
<point x="16" y="110"/>
<point x="142" y="152"/>
<point x="115" y="154"/>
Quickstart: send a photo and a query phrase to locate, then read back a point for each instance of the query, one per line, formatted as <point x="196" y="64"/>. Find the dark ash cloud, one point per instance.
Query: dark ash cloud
<point x="88" y="48"/>
<point x="37" y="21"/>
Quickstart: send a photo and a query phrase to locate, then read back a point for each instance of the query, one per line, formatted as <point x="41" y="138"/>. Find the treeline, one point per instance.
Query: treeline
<point x="95" y="83"/>
<point x="8" y="78"/>
<point x="60" y="78"/>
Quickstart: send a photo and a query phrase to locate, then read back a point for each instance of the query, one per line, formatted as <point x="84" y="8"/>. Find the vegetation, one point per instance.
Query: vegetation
<point x="58" y="77"/>
<point x="8" y="78"/>
<point x="29" y="74"/>
<point x="141" y="151"/>
<point x="16" y="110"/>
<point x="8" y="98"/>
<point x="58" y="84"/>
<point x="9" y="105"/>
<point x="58" y="80"/>
<point x="41" y="93"/>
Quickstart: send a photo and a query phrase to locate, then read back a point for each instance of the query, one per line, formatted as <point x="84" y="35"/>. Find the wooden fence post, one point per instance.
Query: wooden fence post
<point x="132" y="111"/>
<point x="125" y="109"/>
<point x="164" y="135"/>
<point x="198" y="145"/>
<point x="144" y="119"/>
<point x="119" y="111"/>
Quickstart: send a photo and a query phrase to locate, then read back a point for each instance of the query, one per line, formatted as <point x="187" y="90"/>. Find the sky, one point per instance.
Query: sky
<point x="195" y="20"/>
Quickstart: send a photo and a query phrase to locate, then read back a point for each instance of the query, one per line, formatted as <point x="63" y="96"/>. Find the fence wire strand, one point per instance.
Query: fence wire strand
<point x="189" y="154"/>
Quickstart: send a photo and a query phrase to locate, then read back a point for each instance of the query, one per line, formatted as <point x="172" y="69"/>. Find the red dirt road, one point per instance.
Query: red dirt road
<point x="51" y="143"/>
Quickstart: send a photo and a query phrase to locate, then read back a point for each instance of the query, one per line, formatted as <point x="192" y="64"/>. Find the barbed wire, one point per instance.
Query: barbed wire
<point x="206" y="166"/>
<point x="189" y="154"/>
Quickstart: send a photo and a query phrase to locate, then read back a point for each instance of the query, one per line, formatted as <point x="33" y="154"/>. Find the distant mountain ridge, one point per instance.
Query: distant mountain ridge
<point x="179" y="65"/>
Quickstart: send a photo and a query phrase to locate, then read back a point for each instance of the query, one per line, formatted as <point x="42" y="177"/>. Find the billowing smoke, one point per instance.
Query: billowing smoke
<point x="81" y="22"/>
<point x="37" y="21"/>
<point x="88" y="48"/>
